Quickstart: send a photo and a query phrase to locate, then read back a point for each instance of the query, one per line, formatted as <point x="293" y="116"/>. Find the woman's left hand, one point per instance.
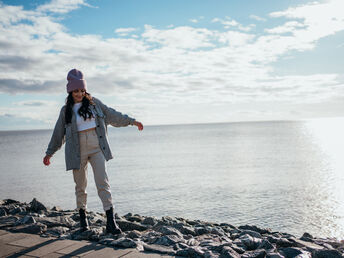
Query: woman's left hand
<point x="139" y="125"/>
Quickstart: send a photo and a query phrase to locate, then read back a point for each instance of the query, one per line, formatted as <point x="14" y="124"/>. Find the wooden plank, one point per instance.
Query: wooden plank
<point x="30" y="241"/>
<point x="48" y="247"/>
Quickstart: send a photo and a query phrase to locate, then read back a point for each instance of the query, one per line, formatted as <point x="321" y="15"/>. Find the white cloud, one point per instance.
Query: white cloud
<point x="193" y="20"/>
<point x="124" y="31"/>
<point x="179" y="64"/>
<point x="62" y="6"/>
<point x="257" y="18"/>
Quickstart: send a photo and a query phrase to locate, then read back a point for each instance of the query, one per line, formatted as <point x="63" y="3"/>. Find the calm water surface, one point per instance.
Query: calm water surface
<point x="288" y="176"/>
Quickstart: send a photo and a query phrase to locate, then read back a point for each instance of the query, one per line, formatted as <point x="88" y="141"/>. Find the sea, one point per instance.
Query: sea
<point x="284" y="175"/>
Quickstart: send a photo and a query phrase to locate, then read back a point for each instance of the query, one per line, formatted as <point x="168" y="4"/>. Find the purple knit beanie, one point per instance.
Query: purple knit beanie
<point x="75" y="80"/>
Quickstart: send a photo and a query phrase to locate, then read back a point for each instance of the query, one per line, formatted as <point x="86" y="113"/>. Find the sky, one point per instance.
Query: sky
<point x="173" y="61"/>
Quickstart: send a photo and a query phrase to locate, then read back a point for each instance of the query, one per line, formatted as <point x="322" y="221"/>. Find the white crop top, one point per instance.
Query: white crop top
<point x="80" y="122"/>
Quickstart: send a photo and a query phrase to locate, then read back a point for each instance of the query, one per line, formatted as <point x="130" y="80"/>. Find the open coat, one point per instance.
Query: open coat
<point x="68" y="133"/>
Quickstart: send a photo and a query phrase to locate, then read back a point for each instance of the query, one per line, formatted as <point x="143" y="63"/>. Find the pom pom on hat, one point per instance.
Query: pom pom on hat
<point x="75" y="80"/>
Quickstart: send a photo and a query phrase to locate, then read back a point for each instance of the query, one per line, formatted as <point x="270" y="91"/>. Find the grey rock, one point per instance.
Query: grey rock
<point x="36" y="228"/>
<point x="254" y="254"/>
<point x="17" y="210"/>
<point x="192" y="242"/>
<point x="237" y="249"/>
<point x="159" y="249"/>
<point x="210" y="254"/>
<point x="201" y="230"/>
<point x="282" y="242"/>
<point x="184" y="229"/>
<point x="57" y="231"/>
<point x="106" y="240"/>
<point x="251" y="233"/>
<point x="169" y="240"/>
<point x="255" y="228"/>
<point x="167" y="230"/>
<point x="218" y="231"/>
<point x="228" y="252"/>
<point x="266" y="245"/>
<point x="37" y="206"/>
<point x="3" y="212"/>
<point x="8" y="221"/>
<point x="308" y="245"/>
<point x="193" y="251"/>
<point x="291" y="252"/>
<point x="128" y="225"/>
<point x="135" y="219"/>
<point x="134" y="234"/>
<point x="248" y="242"/>
<point x="274" y="255"/>
<point x="273" y="239"/>
<point x="9" y="201"/>
<point x="56" y="221"/>
<point x="91" y="234"/>
<point x="26" y="220"/>
<point x="327" y="254"/>
<point x="150" y="221"/>
<point x="124" y="242"/>
<point x="56" y="208"/>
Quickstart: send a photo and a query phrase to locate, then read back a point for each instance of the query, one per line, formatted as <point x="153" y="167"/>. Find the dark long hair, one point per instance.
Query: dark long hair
<point x="83" y="111"/>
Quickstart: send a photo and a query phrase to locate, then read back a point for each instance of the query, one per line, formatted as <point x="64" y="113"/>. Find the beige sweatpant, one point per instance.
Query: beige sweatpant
<point x="91" y="152"/>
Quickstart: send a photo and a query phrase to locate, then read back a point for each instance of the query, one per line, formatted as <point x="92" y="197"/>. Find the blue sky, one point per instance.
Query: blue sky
<point x="172" y="62"/>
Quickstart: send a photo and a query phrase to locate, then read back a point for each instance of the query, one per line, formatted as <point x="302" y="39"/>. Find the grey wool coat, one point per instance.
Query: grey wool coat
<point x="68" y="133"/>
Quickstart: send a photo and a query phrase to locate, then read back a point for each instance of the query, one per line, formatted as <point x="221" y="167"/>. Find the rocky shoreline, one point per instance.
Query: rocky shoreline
<point x="168" y="235"/>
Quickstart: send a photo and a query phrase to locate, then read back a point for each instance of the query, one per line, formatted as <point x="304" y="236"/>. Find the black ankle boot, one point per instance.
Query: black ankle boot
<point x="111" y="225"/>
<point x="83" y="220"/>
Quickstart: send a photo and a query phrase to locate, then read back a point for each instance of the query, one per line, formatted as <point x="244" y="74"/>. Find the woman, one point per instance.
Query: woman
<point x="82" y="125"/>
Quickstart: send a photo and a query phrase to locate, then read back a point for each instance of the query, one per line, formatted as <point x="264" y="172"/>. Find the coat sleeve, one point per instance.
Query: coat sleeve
<point x="113" y="117"/>
<point x="58" y="136"/>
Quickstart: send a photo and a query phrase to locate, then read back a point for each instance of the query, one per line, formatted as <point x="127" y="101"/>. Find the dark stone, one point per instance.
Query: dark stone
<point x="251" y="233"/>
<point x="37" y="206"/>
<point x="17" y="210"/>
<point x="265" y="244"/>
<point x="9" y="201"/>
<point x="255" y="228"/>
<point x="36" y="228"/>
<point x="128" y="225"/>
<point x="193" y="251"/>
<point x="291" y="252"/>
<point x="166" y="230"/>
<point x="201" y="230"/>
<point x="159" y="249"/>
<point x="56" y="221"/>
<point x="254" y="254"/>
<point x="282" y="242"/>
<point x="327" y="254"/>
<point x="149" y="221"/>
<point x="248" y="242"/>
<point x="169" y="240"/>
<point x="229" y="252"/>
<point x="8" y="221"/>
<point x="124" y="242"/>
<point x="192" y="242"/>
<point x="238" y="249"/>
<point x="274" y="255"/>
<point x="135" y="219"/>
<point x="57" y="231"/>
<point x="3" y="212"/>
<point x="134" y="234"/>
<point x="26" y="220"/>
<point x="184" y="229"/>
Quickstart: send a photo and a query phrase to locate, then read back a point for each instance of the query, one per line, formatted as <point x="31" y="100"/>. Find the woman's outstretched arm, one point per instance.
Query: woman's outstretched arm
<point x="57" y="138"/>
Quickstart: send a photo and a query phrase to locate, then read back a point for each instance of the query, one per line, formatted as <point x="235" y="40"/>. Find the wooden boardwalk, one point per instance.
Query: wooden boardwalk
<point x="29" y="245"/>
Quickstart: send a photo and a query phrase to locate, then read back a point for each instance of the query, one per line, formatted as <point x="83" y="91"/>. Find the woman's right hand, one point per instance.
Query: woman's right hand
<point x="46" y="160"/>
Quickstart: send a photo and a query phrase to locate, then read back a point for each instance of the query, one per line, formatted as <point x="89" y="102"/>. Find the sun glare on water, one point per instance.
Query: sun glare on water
<point x="328" y="136"/>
